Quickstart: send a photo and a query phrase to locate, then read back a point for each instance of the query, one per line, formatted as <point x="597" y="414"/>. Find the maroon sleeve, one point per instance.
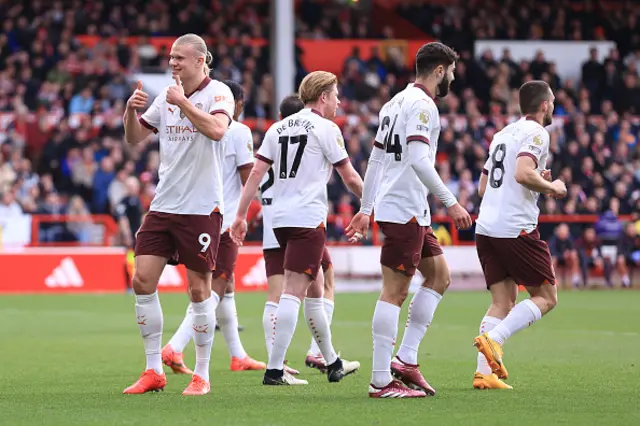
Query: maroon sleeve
<point x="418" y="138"/>
<point x="144" y="123"/>
<point x="221" y="111"/>
<point x="528" y="154"/>
<point x="341" y="162"/>
<point x="265" y="159"/>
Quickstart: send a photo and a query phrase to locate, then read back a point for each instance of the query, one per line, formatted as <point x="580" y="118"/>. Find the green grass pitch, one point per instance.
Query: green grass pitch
<point x="66" y="360"/>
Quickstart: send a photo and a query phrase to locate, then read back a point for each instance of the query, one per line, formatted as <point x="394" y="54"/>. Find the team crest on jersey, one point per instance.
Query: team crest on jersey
<point x="537" y="140"/>
<point x="250" y="147"/>
<point x="423" y="117"/>
<point x="339" y="138"/>
<point x="198" y="105"/>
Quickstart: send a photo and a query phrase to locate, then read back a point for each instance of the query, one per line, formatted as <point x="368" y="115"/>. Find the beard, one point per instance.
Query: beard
<point x="443" y="87"/>
<point x="547" y="120"/>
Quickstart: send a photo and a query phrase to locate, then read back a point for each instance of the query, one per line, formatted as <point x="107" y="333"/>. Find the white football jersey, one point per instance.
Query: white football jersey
<point x="410" y="116"/>
<point x="269" y="240"/>
<point x="303" y="148"/>
<point x="190" y="163"/>
<point x="507" y="207"/>
<point x="238" y="154"/>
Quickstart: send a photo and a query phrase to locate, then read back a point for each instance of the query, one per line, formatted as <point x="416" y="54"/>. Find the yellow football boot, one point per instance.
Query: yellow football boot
<point x="492" y="351"/>
<point x="488" y="381"/>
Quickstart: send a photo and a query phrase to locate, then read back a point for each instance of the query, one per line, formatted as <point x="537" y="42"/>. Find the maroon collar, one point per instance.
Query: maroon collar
<point x="315" y="111"/>
<point x="530" y="118"/>
<point x="424" y="89"/>
<point x="202" y="85"/>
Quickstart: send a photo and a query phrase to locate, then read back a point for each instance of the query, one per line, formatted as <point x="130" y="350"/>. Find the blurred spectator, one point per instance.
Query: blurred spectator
<point x="67" y="99"/>
<point x="101" y="181"/>
<point x="628" y="253"/>
<point x="82" y="227"/>
<point x="128" y="212"/>
<point x="82" y="103"/>
<point x="564" y="254"/>
<point x="591" y="257"/>
<point x="9" y="206"/>
<point x="608" y="228"/>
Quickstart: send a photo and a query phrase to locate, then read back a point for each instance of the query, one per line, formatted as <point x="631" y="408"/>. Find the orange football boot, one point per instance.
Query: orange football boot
<point x="149" y="381"/>
<point x="492" y="351"/>
<point x="198" y="386"/>
<point x="173" y="360"/>
<point x="246" y="363"/>
<point x="488" y="381"/>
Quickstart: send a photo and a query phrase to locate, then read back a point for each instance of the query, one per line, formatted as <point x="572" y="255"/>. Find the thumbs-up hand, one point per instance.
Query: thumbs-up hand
<point x="138" y="99"/>
<point x="175" y="93"/>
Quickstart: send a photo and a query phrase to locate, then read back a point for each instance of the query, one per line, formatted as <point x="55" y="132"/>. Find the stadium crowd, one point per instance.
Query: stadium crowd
<point x="71" y="158"/>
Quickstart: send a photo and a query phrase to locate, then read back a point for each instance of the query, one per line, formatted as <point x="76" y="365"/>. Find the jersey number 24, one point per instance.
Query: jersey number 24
<point x="391" y="140"/>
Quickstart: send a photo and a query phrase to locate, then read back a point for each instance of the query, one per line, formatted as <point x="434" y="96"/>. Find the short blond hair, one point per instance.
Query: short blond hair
<point x="199" y="46"/>
<point x="315" y="84"/>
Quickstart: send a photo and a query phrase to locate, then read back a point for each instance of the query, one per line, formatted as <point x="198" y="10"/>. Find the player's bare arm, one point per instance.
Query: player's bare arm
<point x="239" y="227"/>
<point x="482" y="185"/>
<point x="351" y="178"/>
<point x="359" y="225"/>
<point x="527" y="175"/>
<point x="134" y="132"/>
<point x="212" y="126"/>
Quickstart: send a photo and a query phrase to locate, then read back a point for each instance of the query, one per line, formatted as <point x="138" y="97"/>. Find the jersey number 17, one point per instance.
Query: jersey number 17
<point x="285" y="141"/>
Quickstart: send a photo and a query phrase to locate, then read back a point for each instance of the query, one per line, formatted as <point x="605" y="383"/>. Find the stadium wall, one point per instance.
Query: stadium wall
<point x="105" y="270"/>
<point x="568" y="65"/>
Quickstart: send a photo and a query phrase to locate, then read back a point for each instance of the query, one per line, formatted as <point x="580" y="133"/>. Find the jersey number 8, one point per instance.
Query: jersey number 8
<point x="497" y="159"/>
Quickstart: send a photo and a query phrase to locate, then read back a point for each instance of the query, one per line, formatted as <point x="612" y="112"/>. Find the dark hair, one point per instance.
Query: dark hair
<point x="432" y="55"/>
<point x="532" y="94"/>
<point x="236" y="90"/>
<point x="290" y="105"/>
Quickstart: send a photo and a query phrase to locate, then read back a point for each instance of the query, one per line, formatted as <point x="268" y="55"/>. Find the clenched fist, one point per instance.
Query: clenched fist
<point x="139" y="98"/>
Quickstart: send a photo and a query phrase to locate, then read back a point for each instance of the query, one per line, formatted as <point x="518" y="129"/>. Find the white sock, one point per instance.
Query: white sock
<point x="487" y="324"/>
<point x="150" y="320"/>
<point x="204" y="326"/>
<point x="314" y="312"/>
<point x="227" y="317"/>
<point x="269" y="324"/>
<point x="185" y="332"/>
<point x="328" y="310"/>
<point x="385" y="331"/>
<point x="421" y="310"/>
<point x="521" y="316"/>
<point x="286" y="321"/>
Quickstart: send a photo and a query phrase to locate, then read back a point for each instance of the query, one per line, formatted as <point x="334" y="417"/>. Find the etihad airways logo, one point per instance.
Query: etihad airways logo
<point x="180" y="133"/>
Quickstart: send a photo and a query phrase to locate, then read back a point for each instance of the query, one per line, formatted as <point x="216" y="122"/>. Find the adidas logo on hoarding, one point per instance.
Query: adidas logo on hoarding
<point x="170" y="277"/>
<point x="65" y="275"/>
<point x="256" y="276"/>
